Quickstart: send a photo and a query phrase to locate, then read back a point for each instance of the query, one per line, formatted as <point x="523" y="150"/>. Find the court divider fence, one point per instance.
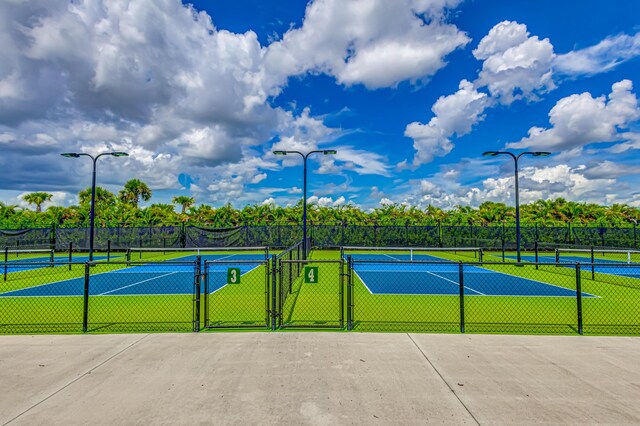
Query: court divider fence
<point x="287" y="292"/>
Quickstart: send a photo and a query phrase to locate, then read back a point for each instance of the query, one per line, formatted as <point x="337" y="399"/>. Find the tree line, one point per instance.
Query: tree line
<point x="123" y="209"/>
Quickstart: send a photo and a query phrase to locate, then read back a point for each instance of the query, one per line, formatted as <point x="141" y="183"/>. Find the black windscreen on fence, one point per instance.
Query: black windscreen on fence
<point x="324" y="235"/>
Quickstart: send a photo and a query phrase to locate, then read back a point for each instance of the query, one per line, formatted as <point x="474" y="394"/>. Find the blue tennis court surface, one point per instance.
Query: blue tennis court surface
<point x="442" y="279"/>
<point x="632" y="270"/>
<point x="146" y="279"/>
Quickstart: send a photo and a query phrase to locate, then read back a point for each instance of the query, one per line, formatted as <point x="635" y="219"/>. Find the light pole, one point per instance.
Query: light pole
<point x="93" y="189"/>
<point x="515" y="159"/>
<point x="304" y="199"/>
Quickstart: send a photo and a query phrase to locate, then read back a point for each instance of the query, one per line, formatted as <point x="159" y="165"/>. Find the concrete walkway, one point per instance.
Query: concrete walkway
<point x="318" y="379"/>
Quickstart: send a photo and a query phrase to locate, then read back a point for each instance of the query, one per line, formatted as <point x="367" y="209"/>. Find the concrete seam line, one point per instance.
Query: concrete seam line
<point x="78" y="378"/>
<point x="443" y="379"/>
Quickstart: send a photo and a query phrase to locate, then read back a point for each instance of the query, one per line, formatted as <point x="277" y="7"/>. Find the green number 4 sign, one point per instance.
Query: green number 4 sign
<point x="310" y="274"/>
<point x="233" y="276"/>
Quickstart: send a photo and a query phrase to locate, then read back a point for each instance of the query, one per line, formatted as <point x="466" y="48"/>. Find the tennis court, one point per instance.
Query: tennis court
<point x="618" y="267"/>
<point x="148" y="279"/>
<point x="402" y="277"/>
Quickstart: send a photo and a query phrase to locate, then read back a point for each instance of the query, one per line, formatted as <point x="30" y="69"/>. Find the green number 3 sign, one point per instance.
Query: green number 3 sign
<point x="233" y="276"/>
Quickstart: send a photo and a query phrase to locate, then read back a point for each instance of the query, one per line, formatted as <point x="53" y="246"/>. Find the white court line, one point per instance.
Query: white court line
<point x="446" y="279"/>
<point x="391" y="257"/>
<point x="457" y="284"/>
<point x="139" y="282"/>
<point x="362" y="281"/>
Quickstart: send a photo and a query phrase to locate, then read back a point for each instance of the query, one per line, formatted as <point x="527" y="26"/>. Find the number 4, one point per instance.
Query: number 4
<point x="311" y="274"/>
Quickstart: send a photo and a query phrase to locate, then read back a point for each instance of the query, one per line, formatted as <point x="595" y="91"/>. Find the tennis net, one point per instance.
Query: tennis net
<point x="413" y="253"/>
<point x="206" y="253"/>
<point x="597" y="255"/>
<point x="29" y="255"/>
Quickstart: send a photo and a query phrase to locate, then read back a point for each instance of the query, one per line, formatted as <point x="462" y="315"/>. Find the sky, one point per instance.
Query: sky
<point x="409" y="93"/>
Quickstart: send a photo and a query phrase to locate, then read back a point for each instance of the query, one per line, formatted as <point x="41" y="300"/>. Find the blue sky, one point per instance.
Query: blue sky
<point x="410" y="93"/>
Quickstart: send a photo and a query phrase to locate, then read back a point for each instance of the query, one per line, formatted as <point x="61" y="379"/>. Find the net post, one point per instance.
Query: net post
<point x="579" y="297"/>
<point x="52" y="258"/>
<point x="557" y="256"/>
<point x="461" y="281"/>
<point x="6" y="260"/>
<point x="349" y="293"/>
<point x="593" y="268"/>
<point x="128" y="256"/>
<point x="196" y="288"/>
<point x="85" y="312"/>
<point x="274" y="281"/>
<point x="480" y="254"/>
<point x="108" y="250"/>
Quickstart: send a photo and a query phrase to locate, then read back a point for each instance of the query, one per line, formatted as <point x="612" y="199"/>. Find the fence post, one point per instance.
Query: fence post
<point x="85" y="314"/>
<point x="439" y="233"/>
<point x="579" y="297"/>
<point x="342" y="274"/>
<point x="205" y="281"/>
<point x="375" y="234"/>
<point x="52" y="237"/>
<point x="274" y="313"/>
<point x="108" y="250"/>
<point x="196" y="285"/>
<point x="406" y="233"/>
<point x="635" y="238"/>
<point x="461" y="281"/>
<point x="537" y="251"/>
<point x="349" y="293"/>
<point x="6" y="260"/>
<point x="593" y="268"/>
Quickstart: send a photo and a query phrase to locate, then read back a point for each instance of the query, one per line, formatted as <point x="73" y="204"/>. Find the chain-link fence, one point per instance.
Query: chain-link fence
<point x="315" y="298"/>
<point x="324" y="235"/>
<point x="99" y="297"/>
<point x="370" y="293"/>
<point x="236" y="293"/>
<point x="493" y="297"/>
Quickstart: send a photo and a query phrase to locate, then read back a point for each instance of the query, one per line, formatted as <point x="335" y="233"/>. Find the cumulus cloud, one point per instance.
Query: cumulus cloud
<point x="158" y="79"/>
<point x="581" y="119"/>
<point x="601" y="57"/>
<point x="515" y="65"/>
<point x="326" y="201"/>
<point x="454" y="114"/>
<point x="372" y="42"/>
<point x="575" y="183"/>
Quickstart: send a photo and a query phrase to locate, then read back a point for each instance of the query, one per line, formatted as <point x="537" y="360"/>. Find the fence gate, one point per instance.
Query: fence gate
<point x="236" y="293"/>
<point x="310" y="293"/>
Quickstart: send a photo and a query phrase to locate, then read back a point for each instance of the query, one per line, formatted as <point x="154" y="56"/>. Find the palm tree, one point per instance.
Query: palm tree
<point x="103" y="196"/>
<point x="133" y="191"/>
<point x="37" y="198"/>
<point x="184" y="201"/>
